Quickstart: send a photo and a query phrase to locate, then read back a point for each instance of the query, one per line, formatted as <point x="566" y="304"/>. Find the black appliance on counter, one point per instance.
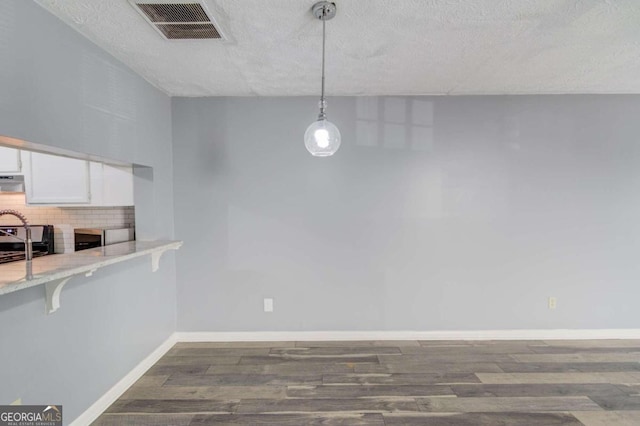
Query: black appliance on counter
<point x="87" y="238"/>
<point x="12" y="249"/>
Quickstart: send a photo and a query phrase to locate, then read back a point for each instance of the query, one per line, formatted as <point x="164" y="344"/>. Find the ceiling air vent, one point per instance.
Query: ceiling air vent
<point x="177" y="20"/>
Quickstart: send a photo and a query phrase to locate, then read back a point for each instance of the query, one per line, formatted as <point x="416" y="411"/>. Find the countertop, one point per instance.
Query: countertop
<point x="13" y="276"/>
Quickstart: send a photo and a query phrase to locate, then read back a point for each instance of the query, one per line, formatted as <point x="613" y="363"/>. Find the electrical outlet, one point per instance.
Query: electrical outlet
<point x="268" y="305"/>
<point x="552" y="302"/>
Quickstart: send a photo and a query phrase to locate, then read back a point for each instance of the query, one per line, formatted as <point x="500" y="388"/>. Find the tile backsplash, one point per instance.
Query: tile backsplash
<point x="66" y="218"/>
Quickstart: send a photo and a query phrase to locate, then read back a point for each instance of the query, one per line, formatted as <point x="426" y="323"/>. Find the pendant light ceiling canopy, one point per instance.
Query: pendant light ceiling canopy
<point x="322" y="138"/>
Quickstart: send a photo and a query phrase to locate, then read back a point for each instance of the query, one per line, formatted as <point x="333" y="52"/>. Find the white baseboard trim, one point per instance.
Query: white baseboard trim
<point x="265" y="336"/>
<point x="98" y="407"/>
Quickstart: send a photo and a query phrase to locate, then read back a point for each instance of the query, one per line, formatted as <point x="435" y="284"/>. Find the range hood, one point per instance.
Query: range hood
<point x="11" y="184"/>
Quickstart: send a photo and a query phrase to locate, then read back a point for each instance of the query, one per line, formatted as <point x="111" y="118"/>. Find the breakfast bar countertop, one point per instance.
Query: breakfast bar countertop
<point x="47" y="269"/>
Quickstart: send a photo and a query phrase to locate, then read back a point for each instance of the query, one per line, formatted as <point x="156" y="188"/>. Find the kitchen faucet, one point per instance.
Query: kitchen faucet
<point x="28" y="246"/>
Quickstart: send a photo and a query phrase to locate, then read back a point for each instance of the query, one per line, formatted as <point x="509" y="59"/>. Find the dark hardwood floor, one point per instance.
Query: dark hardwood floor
<point x="388" y="383"/>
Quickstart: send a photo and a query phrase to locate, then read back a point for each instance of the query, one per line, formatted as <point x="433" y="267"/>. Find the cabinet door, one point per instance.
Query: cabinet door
<point x="111" y="185"/>
<point x="51" y="179"/>
<point x="9" y="160"/>
<point x="117" y="185"/>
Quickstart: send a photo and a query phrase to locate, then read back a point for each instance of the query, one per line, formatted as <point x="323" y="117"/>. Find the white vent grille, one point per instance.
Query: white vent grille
<point x="177" y="20"/>
<point x="187" y="31"/>
<point x="186" y="12"/>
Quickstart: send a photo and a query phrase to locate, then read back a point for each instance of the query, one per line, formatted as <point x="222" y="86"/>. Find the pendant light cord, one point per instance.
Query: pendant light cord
<point x="322" y="115"/>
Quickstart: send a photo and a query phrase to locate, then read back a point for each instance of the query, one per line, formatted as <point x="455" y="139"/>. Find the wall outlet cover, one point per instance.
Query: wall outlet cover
<point x="268" y="305"/>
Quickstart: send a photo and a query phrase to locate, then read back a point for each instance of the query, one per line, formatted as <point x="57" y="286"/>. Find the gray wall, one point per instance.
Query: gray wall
<point x="436" y="213"/>
<point x="58" y="89"/>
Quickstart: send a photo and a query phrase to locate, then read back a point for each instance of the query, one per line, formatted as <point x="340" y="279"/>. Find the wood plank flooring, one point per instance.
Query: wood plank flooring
<point x="590" y="383"/>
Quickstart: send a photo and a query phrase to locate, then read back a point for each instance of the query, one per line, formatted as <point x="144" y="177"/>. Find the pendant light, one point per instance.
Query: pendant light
<point x="322" y="137"/>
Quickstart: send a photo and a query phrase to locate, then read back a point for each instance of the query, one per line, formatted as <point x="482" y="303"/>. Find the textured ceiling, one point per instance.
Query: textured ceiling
<point x="378" y="47"/>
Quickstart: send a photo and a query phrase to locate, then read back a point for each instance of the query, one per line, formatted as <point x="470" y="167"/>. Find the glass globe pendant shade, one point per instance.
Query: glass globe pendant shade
<point x="322" y="138"/>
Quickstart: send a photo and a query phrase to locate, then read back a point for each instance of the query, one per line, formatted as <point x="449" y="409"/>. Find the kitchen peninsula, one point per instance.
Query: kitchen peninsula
<point x="55" y="271"/>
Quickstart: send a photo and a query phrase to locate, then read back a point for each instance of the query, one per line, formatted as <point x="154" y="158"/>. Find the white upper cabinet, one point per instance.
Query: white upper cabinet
<point x="10" y="161"/>
<point x="111" y="185"/>
<point x="54" y="180"/>
<point x="50" y="179"/>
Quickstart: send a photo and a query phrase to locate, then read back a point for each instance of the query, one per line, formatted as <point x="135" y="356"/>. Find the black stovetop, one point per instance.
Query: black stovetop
<point x="42" y="242"/>
<point x="14" y="256"/>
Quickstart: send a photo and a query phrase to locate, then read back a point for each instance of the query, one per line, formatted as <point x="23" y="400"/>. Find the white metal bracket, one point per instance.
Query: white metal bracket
<point x="53" y="290"/>
<point x="156" y="255"/>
